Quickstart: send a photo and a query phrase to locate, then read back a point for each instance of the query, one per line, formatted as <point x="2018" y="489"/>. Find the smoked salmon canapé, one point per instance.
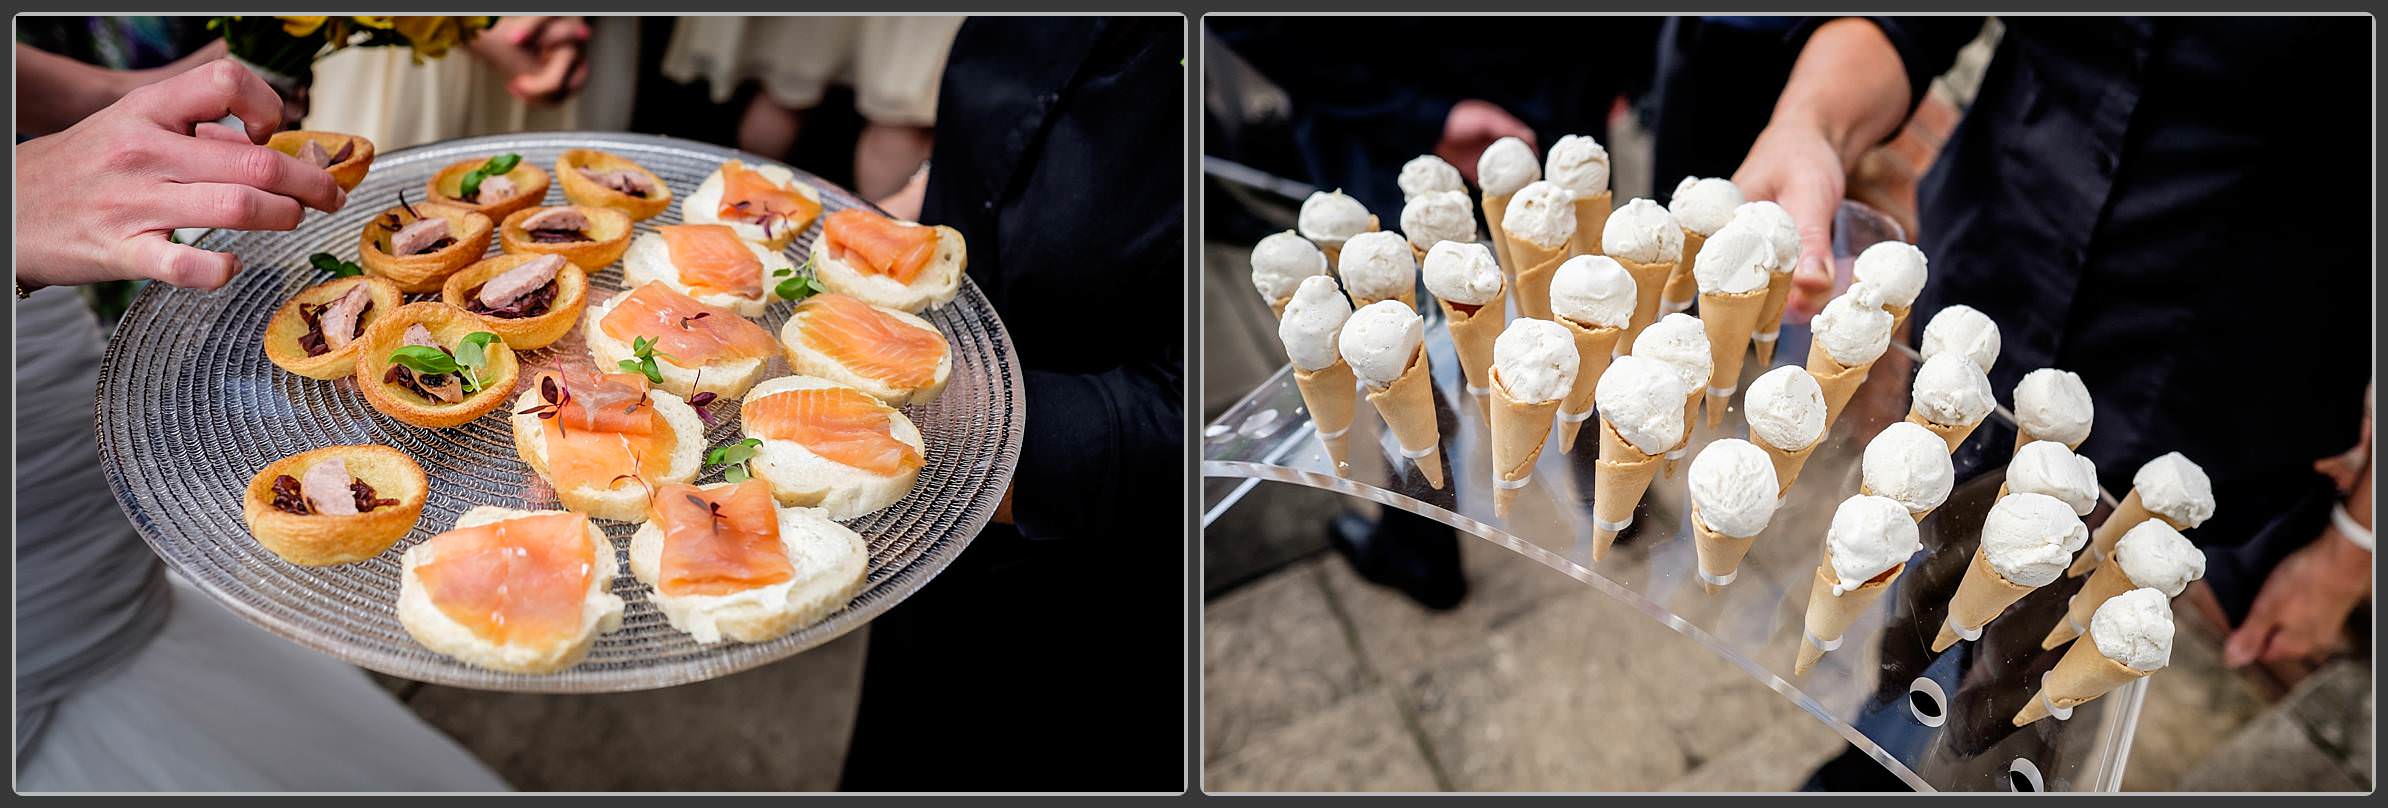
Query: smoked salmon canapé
<point x="889" y="262"/>
<point x="892" y="355"/>
<point x="595" y="179"/>
<point x="529" y="300"/>
<point x="334" y="505"/>
<point x="764" y="204"/>
<point x="724" y="561"/>
<point x="495" y="186"/>
<point x="346" y="157"/>
<point x="417" y="245"/>
<point x="590" y="237"/>
<point x="829" y="446"/>
<point x="604" y="443"/>
<point x="697" y="348"/>
<point x="434" y="365"/>
<point x="513" y="591"/>
<point x="707" y="262"/>
<point x="315" y="334"/>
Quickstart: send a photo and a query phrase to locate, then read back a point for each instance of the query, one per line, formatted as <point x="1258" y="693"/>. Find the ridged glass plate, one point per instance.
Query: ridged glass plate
<point x="189" y="409"/>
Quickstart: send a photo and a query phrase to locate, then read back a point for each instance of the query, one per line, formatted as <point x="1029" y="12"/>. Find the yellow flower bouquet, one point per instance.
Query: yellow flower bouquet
<point x="283" y="50"/>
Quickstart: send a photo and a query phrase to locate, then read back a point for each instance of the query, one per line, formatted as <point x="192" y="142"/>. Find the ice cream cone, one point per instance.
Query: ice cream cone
<point x="2080" y="677"/>
<point x="1868" y="490"/>
<point x="1593" y="347"/>
<point x="1408" y="407"/>
<point x="1691" y="415"/>
<point x="1519" y="428"/>
<point x="1408" y="298"/>
<point x="2024" y="437"/>
<point x="1473" y="329"/>
<point x="1981" y="596"/>
<point x="1840" y="382"/>
<point x="1728" y="318"/>
<point x="1831" y="614"/>
<point x="1720" y="555"/>
<point x="1681" y="288"/>
<point x="1278" y="306"/>
<point x="1787" y="462"/>
<point x="1619" y="479"/>
<point x="1770" y="317"/>
<point x="1954" y="434"/>
<point x="1329" y="394"/>
<point x="1535" y="266"/>
<point x="2127" y="515"/>
<point x="1335" y="251"/>
<point x="1649" y="282"/>
<point x="1898" y="315"/>
<point x="2108" y="581"/>
<point x="1496" y="208"/>
<point x="1591" y="216"/>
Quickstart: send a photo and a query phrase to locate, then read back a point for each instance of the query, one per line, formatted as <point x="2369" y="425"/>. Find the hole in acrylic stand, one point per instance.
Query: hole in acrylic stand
<point x="2024" y="777"/>
<point x="1927" y="702"/>
<point x="1217" y="431"/>
<point x="1259" y="425"/>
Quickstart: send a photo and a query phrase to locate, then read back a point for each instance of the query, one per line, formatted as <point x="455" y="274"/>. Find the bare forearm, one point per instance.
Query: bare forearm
<point x="53" y="92"/>
<point x="1848" y="85"/>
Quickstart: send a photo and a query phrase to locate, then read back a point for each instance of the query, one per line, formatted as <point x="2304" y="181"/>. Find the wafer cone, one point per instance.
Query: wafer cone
<point x="2127" y="515"/>
<point x="1496" y="208"/>
<point x="1649" y="284"/>
<point x="1868" y="490"/>
<point x="1981" y="597"/>
<point x="1593" y="347"/>
<point x="1728" y="318"/>
<point x="1681" y="288"/>
<point x="2080" y="677"/>
<point x="1329" y="394"/>
<point x="1535" y="266"/>
<point x="1278" y="306"/>
<point x="1335" y="251"/>
<point x="2107" y="582"/>
<point x="2024" y="436"/>
<point x="1591" y="217"/>
<point x="1519" y="428"/>
<point x="1473" y="329"/>
<point x="1770" y="317"/>
<point x="1619" y="479"/>
<point x="1691" y="415"/>
<point x="1408" y="407"/>
<point x="1898" y="315"/>
<point x="1787" y="462"/>
<point x="1840" y="382"/>
<point x="1831" y="614"/>
<point x="1408" y="298"/>
<point x="1954" y="435"/>
<point x="1720" y="555"/>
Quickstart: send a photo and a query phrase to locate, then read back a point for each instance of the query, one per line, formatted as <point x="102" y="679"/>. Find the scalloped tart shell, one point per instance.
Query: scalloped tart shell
<point x="415" y="274"/>
<point x="523" y="333"/>
<point x="445" y="185"/>
<point x="609" y="235"/>
<point x="315" y="540"/>
<point x="283" y="331"/>
<point x="347" y="172"/>
<point x="449" y="325"/>
<point x="584" y="191"/>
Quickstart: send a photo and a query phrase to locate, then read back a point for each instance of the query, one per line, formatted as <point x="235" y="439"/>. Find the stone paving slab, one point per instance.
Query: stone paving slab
<point x="2193" y="705"/>
<point x="1274" y="653"/>
<point x="1359" y="744"/>
<point x="1779" y="757"/>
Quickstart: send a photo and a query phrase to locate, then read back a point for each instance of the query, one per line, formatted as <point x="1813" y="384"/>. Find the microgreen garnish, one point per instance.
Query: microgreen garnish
<point x="424" y="359"/>
<point x="501" y="164"/>
<point x="643" y="349"/>
<point x="409" y="206"/>
<point x="734" y="455"/>
<point x="472" y="355"/>
<point x="556" y="396"/>
<point x="329" y="263"/>
<point x="803" y="285"/>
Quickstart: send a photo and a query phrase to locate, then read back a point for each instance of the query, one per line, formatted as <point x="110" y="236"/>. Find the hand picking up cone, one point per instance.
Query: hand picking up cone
<point x="1593" y="298"/>
<point x="1733" y="496"/>
<point x="1384" y="342"/>
<point x="2026" y="541"/>
<point x="2151" y="556"/>
<point x="1865" y="551"/>
<point x="2170" y="488"/>
<point x="1534" y="365"/>
<point x="1640" y="419"/>
<point x="2130" y="637"/>
<point x="1315" y="315"/>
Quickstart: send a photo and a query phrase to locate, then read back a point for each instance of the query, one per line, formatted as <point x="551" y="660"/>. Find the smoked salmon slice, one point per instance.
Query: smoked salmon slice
<point x="690" y="333"/>
<point x="521" y="580"/>
<point x="879" y="245"/>
<point x="839" y="423"/>
<point x="871" y="342"/>
<point x="711" y="257"/>
<point x="747" y="195"/>
<point x="720" y="541"/>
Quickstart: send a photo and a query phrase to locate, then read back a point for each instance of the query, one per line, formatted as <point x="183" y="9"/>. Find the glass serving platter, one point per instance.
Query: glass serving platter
<point x="1936" y="721"/>
<point x="189" y="409"/>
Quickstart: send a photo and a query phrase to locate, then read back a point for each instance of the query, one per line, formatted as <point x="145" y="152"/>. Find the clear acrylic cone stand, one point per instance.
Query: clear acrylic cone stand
<point x="1936" y="721"/>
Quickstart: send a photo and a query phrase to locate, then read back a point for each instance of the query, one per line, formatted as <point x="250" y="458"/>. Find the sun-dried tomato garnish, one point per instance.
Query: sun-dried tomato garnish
<point x="287" y="496"/>
<point x="363" y="492"/>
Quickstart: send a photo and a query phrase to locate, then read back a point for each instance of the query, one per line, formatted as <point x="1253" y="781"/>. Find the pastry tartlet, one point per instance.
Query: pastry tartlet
<point x="889" y="262"/>
<point x="347" y="157"/>
<point x="589" y="236"/>
<point x="294" y="334"/>
<point x="582" y="437"/>
<point x="529" y="181"/>
<point x="383" y="509"/>
<point x="765" y="204"/>
<point x="598" y="179"/>
<point x="754" y="572"/>
<point x="391" y="393"/>
<point x="465" y="239"/>
<point x="508" y="590"/>
<point x="535" y="321"/>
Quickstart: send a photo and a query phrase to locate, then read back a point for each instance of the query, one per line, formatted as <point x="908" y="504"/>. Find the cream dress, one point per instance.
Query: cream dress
<point x="893" y="63"/>
<point x="382" y="94"/>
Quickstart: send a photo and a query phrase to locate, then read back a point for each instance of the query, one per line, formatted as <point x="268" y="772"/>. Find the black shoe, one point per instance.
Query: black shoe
<point x="1403" y="551"/>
